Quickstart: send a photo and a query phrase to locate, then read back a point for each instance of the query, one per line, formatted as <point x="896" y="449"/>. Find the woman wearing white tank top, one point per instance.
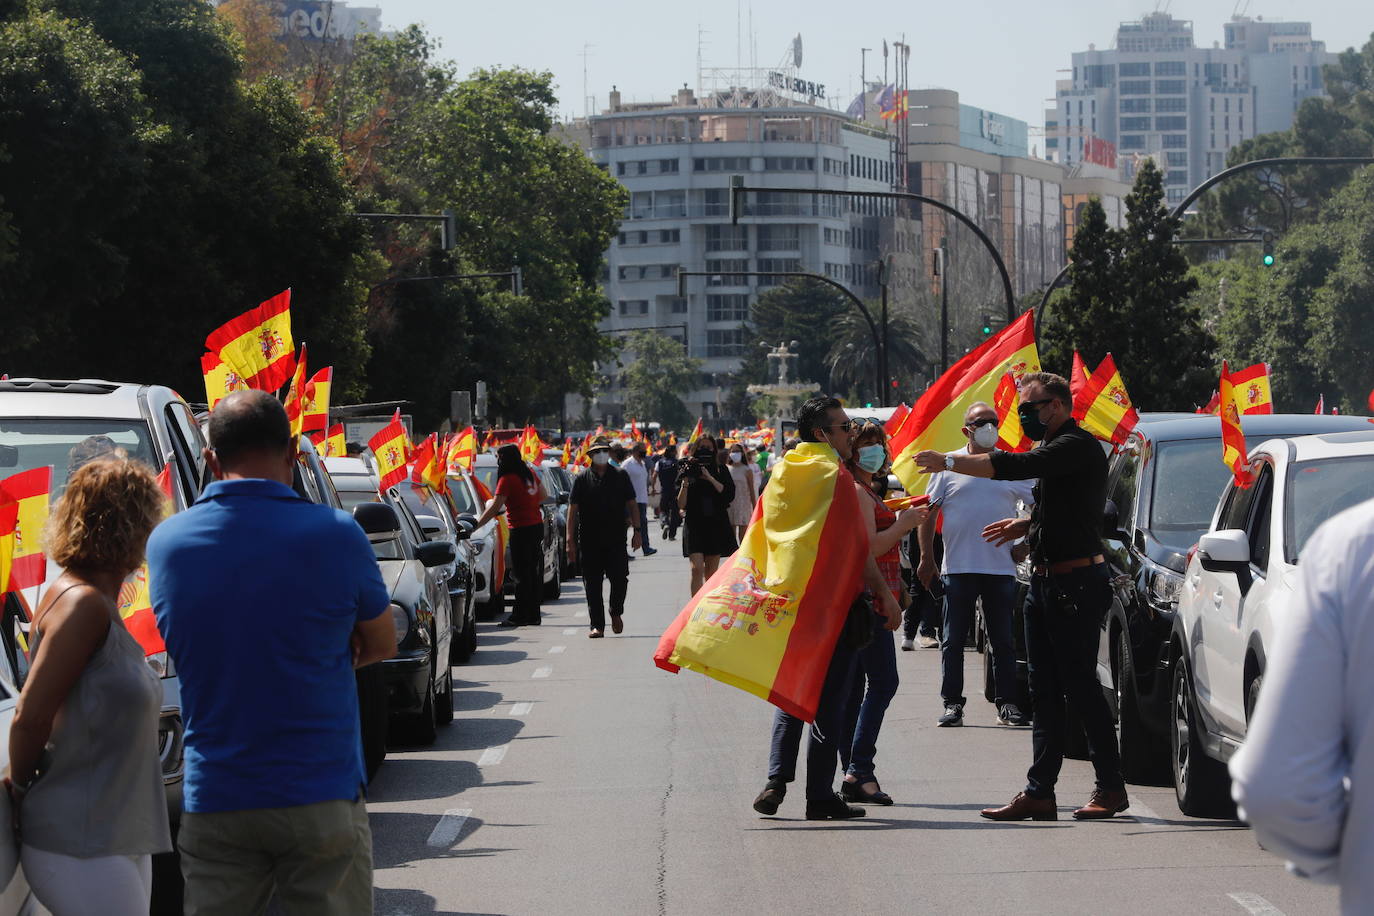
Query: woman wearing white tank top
<point x="85" y="780"/>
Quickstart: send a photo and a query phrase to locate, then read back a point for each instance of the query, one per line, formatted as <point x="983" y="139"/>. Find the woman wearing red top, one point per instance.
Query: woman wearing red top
<point x="520" y="494"/>
<point x="875" y="676"/>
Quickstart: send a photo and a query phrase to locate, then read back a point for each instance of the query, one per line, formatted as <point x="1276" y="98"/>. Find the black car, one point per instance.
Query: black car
<point x="1162" y="486"/>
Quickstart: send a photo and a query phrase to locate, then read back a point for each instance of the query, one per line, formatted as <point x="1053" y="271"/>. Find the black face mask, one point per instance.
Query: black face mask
<point x="1031" y="424"/>
<point x="705" y="455"/>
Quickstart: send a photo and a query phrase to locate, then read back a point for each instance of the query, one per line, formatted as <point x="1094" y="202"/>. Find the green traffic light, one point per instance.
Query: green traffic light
<point x="1268" y="260"/>
<point x="987" y="330"/>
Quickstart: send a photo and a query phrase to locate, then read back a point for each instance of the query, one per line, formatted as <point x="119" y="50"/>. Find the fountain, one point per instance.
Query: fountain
<point x="784" y="393"/>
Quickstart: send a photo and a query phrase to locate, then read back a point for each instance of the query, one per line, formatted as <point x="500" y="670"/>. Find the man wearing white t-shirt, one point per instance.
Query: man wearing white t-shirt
<point x="974" y="569"/>
<point x="639" y="479"/>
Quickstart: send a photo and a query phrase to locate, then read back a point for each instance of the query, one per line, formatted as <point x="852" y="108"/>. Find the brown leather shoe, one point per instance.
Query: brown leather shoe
<point x="617" y="624"/>
<point x="594" y="634"/>
<point x="1103" y="804"/>
<point x="1024" y="807"/>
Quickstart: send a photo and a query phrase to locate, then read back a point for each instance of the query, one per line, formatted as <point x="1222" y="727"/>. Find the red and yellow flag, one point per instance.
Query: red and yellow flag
<point x="28" y="491"/>
<point x="1233" y="451"/>
<point x="388" y="446"/>
<point x="9" y="518"/>
<point x="567" y="452"/>
<point x="767" y="621"/>
<point x="330" y="444"/>
<point x="428" y="467"/>
<point x="498" y="575"/>
<point x="135" y="603"/>
<point x="1006" y="400"/>
<point x="462" y="449"/>
<point x="1078" y="376"/>
<point x="317" y="398"/>
<point x="220" y="379"/>
<point x="895" y="421"/>
<point x="1250" y="390"/>
<point x="1213" y="406"/>
<point x="697" y="433"/>
<point x="937" y="419"/>
<point x="531" y="446"/>
<point x="257" y="344"/>
<point x="295" y="398"/>
<point x="1103" y="407"/>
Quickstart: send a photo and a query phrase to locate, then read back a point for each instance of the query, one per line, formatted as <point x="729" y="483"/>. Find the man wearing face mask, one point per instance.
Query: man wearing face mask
<point x="1069" y="595"/>
<point x="602" y="503"/>
<point x="974" y="569"/>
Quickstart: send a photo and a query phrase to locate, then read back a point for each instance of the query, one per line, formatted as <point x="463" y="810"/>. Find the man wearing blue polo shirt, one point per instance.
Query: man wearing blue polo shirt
<point x="267" y="602"/>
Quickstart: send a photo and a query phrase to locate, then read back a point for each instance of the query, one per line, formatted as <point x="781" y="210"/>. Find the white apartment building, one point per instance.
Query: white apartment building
<point x="676" y="159"/>
<point x="1156" y="93"/>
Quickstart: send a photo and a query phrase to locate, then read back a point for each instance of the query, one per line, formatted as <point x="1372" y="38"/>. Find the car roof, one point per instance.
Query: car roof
<point x="1332" y="445"/>
<point x="73" y="398"/>
<point x="1257" y="427"/>
<point x="340" y="465"/>
<point x="484" y="459"/>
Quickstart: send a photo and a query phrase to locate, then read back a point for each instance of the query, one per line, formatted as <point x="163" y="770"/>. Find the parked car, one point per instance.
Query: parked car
<point x="440" y="520"/>
<point x="562" y="494"/>
<point x="15" y="895"/>
<point x="487" y="596"/>
<point x="42" y="420"/>
<point x="484" y="466"/>
<point x="418" y="679"/>
<point x="1237" y="578"/>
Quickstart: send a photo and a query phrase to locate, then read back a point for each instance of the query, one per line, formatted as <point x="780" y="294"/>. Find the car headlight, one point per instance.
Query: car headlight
<point x="478" y="544"/>
<point x="161" y="663"/>
<point x="402" y="621"/>
<point x="1164" y="585"/>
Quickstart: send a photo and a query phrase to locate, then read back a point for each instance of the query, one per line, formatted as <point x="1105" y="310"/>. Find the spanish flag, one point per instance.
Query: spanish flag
<point x="567" y="452"/>
<point x="1250" y="390"/>
<point x="295" y="398"/>
<point x="1233" y="451"/>
<point x="220" y="379"/>
<point x="135" y="603"/>
<point x="1006" y="400"/>
<point x="531" y="446"/>
<point x="257" y="344"/>
<point x="1078" y="377"/>
<point x="317" y="399"/>
<point x="330" y="444"/>
<point x="498" y="573"/>
<point x="9" y="518"/>
<point x="697" y="433"/>
<point x="768" y="620"/>
<point x="938" y="417"/>
<point x="388" y="446"/>
<point x="428" y="467"/>
<point x="1103" y="407"/>
<point x="895" y="421"/>
<point x="462" y="449"/>
<point x="28" y="491"/>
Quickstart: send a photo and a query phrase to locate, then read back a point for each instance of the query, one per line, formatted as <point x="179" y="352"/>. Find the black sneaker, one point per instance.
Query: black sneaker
<point x="833" y="808"/>
<point x="954" y="715"/>
<point x="1009" y="714"/>
<point x="769" y="799"/>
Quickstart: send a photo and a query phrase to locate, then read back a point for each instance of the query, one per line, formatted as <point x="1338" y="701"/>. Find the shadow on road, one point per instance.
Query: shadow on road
<point x="409" y="779"/>
<point x="879" y="823"/>
<point x="466" y="699"/>
<point x="387" y="901"/>
<point x="399" y="839"/>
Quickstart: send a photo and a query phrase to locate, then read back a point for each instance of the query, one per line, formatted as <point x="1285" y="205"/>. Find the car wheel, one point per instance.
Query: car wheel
<point x="372" y="717"/>
<point x="1202" y="785"/>
<point x="422" y="729"/>
<point x="461" y="647"/>
<point x="493" y="607"/>
<point x="443" y="705"/>
<point x="553" y="588"/>
<point x="1140" y="762"/>
<point x="1252" y="697"/>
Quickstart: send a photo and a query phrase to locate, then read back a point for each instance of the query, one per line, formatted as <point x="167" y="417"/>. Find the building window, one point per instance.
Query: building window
<point x="1176" y="158"/>
<point x="1172" y="122"/>
<point x="721" y="164"/>
<point x="679" y="306"/>
<point x="648" y="272"/>
<point x="720" y="272"/>
<point x="1176" y="177"/>
<point x="725" y="343"/>
<point x="1135" y="70"/>
<point x="780" y="238"/>
<point x="1174" y="141"/>
<point x="789" y="164"/>
<point x="1135" y="87"/>
<point x="1163" y="105"/>
<point x="1171" y="87"/>
<point x="727" y="238"/>
<point x="634" y="306"/>
<point x="1135" y="123"/>
<point x="1135" y="106"/>
<point x="1171" y="68"/>
<point x="790" y="265"/>
<point x="669" y="236"/>
<point x="727" y="307"/>
<point x="832" y="166"/>
<point x="1098" y="76"/>
<point x="1132" y="141"/>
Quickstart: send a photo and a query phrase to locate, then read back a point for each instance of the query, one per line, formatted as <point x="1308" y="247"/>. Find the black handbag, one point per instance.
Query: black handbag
<point x="861" y="625"/>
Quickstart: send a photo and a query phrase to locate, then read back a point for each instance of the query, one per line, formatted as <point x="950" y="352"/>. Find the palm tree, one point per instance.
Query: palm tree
<point x="853" y="359"/>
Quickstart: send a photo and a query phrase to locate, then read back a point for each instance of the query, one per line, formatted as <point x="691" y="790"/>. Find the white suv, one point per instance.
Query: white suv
<point x="1238" y="576"/>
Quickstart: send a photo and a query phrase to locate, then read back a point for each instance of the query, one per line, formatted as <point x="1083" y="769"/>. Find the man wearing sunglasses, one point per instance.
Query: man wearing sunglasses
<point x="1069" y="594"/>
<point x="974" y="569"/>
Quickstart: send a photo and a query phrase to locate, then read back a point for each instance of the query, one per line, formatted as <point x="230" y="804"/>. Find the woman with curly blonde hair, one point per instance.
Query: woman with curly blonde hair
<point x="85" y="780"/>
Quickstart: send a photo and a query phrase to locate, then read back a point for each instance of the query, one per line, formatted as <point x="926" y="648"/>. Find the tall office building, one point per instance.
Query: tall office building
<point x="1156" y="93"/>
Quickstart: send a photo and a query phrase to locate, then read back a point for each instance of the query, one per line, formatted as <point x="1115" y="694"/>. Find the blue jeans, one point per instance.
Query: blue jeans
<point x="643" y="525"/>
<point x="962" y="591"/>
<point x="877" y="664"/>
<point x="827" y="733"/>
<point x="1061" y="646"/>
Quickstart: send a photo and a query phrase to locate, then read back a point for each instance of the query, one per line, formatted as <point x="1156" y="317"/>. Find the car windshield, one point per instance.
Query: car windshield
<point x="1320" y="489"/>
<point x="66" y="444"/>
<point x="1189" y="476"/>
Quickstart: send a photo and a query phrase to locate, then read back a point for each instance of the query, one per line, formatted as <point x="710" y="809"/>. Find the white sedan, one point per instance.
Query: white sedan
<point x="1238" y="577"/>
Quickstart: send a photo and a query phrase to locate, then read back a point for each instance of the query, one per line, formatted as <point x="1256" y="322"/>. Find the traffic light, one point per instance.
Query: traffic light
<point x="987" y="325"/>
<point x="1268" y="257"/>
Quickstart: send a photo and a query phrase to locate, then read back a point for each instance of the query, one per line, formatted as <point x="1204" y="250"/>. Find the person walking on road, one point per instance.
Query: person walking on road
<point x="602" y="500"/>
<point x="520" y="494"/>
<point x="267" y="602"/>
<point x="704" y="493"/>
<point x="974" y="570"/>
<point x="742" y="506"/>
<point x="875" y="675"/>
<point x="85" y="781"/>
<point x="1070" y="592"/>
<point x="639" y="479"/>
<point x="665" y="476"/>
<point x="1304" y="775"/>
<point x="827" y="435"/>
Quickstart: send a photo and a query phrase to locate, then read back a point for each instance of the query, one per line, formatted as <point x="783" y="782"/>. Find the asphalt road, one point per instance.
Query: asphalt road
<point x="578" y="778"/>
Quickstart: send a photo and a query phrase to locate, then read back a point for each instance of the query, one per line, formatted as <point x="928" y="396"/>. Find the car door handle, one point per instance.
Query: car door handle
<point x="1217" y="596"/>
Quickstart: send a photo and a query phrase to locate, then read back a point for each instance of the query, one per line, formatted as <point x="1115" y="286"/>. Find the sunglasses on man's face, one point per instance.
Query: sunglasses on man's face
<point x="983" y="421"/>
<point x="846" y="426"/>
<point x="1036" y="405"/>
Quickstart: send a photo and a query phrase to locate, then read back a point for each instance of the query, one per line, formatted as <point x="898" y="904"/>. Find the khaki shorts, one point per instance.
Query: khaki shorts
<point x="315" y="859"/>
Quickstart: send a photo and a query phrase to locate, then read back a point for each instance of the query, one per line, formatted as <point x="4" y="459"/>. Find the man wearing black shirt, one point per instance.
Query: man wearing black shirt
<point x="1069" y="594"/>
<point x="601" y="505"/>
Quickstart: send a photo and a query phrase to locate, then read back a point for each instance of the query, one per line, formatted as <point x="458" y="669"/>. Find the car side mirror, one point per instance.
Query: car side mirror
<point x="430" y="525"/>
<point x="436" y="553"/>
<point x="1226" y="551"/>
<point x="376" y="518"/>
<point x="1111" y="524"/>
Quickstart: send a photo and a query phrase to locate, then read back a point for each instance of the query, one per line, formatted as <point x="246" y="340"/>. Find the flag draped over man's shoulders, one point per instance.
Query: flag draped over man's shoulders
<point x="768" y="620"/>
<point x="937" y="419"/>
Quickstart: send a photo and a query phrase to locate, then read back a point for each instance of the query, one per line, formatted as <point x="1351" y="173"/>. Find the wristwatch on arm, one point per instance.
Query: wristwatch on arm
<point x="949" y="462"/>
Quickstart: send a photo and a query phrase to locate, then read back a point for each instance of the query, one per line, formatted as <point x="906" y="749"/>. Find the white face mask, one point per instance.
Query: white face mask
<point x="736" y="457"/>
<point x="985" y="436"/>
<point x="601" y="459"/>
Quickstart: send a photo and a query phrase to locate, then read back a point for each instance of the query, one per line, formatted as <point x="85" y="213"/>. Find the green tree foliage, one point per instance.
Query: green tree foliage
<point x="1129" y="295"/>
<point x="800" y="310"/>
<point x="655" y="382"/>
<point x="853" y="356"/>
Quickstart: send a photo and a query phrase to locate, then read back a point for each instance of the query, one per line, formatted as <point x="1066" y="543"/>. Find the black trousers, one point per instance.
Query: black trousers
<point x="526" y="552"/>
<point x="604" y="557"/>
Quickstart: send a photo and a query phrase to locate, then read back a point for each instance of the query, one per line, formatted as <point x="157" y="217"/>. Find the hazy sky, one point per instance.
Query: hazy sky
<point x="998" y="54"/>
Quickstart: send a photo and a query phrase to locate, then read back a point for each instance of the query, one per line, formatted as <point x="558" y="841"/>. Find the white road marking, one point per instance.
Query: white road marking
<point x="1145" y="815"/>
<point x="543" y="672"/>
<point x="557" y="650"/>
<point x="449" y="828"/>
<point x="521" y="709"/>
<point x="1256" y="905"/>
<point x="570" y="631"/>
<point x="493" y="755"/>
